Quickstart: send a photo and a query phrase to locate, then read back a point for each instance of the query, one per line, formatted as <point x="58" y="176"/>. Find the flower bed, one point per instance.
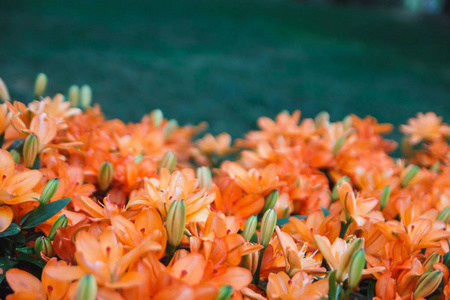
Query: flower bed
<point x="300" y="209"/>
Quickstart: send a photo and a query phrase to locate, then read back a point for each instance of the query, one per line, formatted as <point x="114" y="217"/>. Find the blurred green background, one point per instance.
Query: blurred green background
<point x="229" y="62"/>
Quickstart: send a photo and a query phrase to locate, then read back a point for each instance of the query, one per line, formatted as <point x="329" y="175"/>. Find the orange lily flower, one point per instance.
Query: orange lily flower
<point x="301" y="286"/>
<point x="426" y="127"/>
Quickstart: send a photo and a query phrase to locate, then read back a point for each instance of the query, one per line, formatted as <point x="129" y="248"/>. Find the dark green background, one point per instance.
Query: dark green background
<point x="230" y="61"/>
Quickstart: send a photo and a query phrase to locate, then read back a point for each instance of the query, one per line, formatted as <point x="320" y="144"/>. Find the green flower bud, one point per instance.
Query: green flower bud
<point x="169" y="161"/>
<point x="157" y="117"/>
<point x="176" y="222"/>
<point x="49" y="190"/>
<point x="410" y="176"/>
<point x="347" y="122"/>
<point x="43" y="244"/>
<point x="30" y="150"/>
<point x="15" y="155"/>
<point x="170" y="127"/>
<point x="250" y="261"/>
<point x="40" y="85"/>
<point x="356" y="268"/>
<point x="74" y="95"/>
<point x="436" y="167"/>
<point x="225" y="292"/>
<point x="4" y="94"/>
<point x="444" y="215"/>
<point x="268" y="224"/>
<point x="338" y="145"/>
<point x="384" y="198"/>
<point x="87" y="288"/>
<point x="322" y="120"/>
<point x="62" y="221"/>
<point x="250" y="227"/>
<point x="430" y="261"/>
<point x="204" y="177"/>
<point x="427" y="283"/>
<point x="105" y="175"/>
<point x="270" y="201"/>
<point x="334" y="193"/>
<point x="138" y="158"/>
<point x="85" y="96"/>
<point x="344" y="264"/>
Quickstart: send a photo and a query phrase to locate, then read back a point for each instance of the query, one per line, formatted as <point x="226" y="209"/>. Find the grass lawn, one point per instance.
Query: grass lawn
<point x="230" y="61"/>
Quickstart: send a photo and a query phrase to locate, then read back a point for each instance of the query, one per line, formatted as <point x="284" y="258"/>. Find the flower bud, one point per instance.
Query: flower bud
<point x="347" y="122"/>
<point x="176" y="222"/>
<point x="334" y="193"/>
<point x="15" y="155"/>
<point x="384" y="198"/>
<point x="157" y="117"/>
<point x="444" y="215"/>
<point x="49" y="190"/>
<point x="322" y="120"/>
<point x="62" y="221"/>
<point x="430" y="261"/>
<point x="40" y="85"/>
<point x="427" y="283"/>
<point x="268" y="223"/>
<point x="138" y="158"/>
<point x="204" y="177"/>
<point x="43" y="244"/>
<point x="105" y="175"/>
<point x="250" y="227"/>
<point x="168" y="161"/>
<point x="74" y="95"/>
<point x="357" y="265"/>
<point x="225" y="292"/>
<point x="87" y="288"/>
<point x="4" y="95"/>
<point x="85" y="96"/>
<point x="338" y="145"/>
<point x="344" y="263"/>
<point x="270" y="201"/>
<point x="410" y="174"/>
<point x="170" y="127"/>
<point x="406" y="147"/>
<point x="250" y="261"/>
<point x="436" y="167"/>
<point x="30" y="150"/>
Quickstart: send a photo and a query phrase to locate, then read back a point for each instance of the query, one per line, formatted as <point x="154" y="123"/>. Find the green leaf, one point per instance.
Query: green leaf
<point x="13" y="229"/>
<point x="283" y="221"/>
<point x="27" y="250"/>
<point x="43" y="212"/>
<point x="325" y="211"/>
<point x="31" y="259"/>
<point x="5" y="265"/>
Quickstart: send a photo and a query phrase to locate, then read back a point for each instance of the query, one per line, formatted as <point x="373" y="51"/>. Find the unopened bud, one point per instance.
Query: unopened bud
<point x="176" y="222"/>
<point x="250" y="261"/>
<point x="105" y="175"/>
<point x="338" y="145"/>
<point x="322" y="120"/>
<point x="410" y="174"/>
<point x="157" y="117"/>
<point x="40" y="85"/>
<point x="4" y="95"/>
<point x="225" y="292"/>
<point x="444" y="215"/>
<point x="30" y="150"/>
<point x="427" y="283"/>
<point x="268" y="224"/>
<point x="15" y="155"/>
<point x="74" y="95"/>
<point x="169" y="161"/>
<point x="430" y="261"/>
<point x="347" y="122"/>
<point x="356" y="268"/>
<point x="250" y="227"/>
<point x="406" y="147"/>
<point x="85" y="96"/>
<point x="62" y="221"/>
<point x="436" y="167"/>
<point x="138" y="158"/>
<point x="87" y="288"/>
<point x="170" y="127"/>
<point x="44" y="245"/>
<point x="334" y="193"/>
<point x="270" y="201"/>
<point x="204" y="177"/>
<point x="384" y="198"/>
<point x="346" y="258"/>
<point x="49" y="190"/>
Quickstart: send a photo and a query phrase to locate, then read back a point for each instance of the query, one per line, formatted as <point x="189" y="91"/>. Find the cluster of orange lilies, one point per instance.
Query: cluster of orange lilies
<point x="300" y="209"/>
